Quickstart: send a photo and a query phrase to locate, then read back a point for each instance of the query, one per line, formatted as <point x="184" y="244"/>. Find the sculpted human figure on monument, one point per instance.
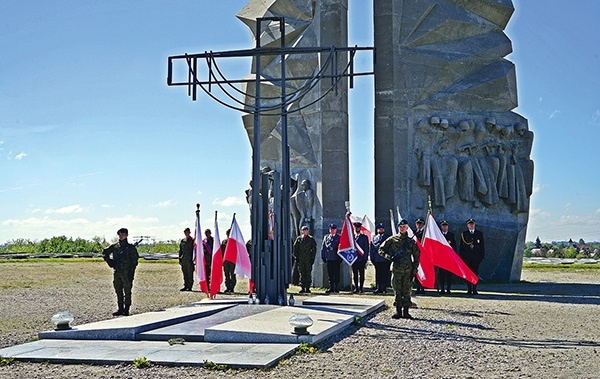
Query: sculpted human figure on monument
<point x="304" y="199"/>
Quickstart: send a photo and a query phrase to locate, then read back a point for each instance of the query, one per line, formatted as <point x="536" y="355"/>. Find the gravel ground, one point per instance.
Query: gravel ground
<point x="544" y="327"/>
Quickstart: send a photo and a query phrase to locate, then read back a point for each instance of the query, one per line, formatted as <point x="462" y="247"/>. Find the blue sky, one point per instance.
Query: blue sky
<point x="92" y="139"/>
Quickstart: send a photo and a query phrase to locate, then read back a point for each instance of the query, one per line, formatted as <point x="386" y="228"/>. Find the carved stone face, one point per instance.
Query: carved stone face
<point x="444" y="124"/>
<point x="520" y="128"/>
<point x="464" y="126"/>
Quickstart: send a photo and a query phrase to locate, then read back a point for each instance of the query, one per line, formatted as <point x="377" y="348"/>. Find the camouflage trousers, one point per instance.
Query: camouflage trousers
<point x="402" y="285"/>
<point x="123" y="284"/>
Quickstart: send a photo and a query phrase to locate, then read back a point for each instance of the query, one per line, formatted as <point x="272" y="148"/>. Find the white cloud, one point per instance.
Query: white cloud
<point x="76" y="208"/>
<point x="554" y="114"/>
<point x="230" y="201"/>
<point x="20" y="156"/>
<point x="538" y="188"/>
<point x="163" y="204"/>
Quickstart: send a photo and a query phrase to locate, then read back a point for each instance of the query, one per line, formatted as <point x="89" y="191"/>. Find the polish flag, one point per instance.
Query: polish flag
<point x="425" y="271"/>
<point x="236" y="251"/>
<point x="442" y="254"/>
<point x="216" y="273"/>
<point x="368" y="227"/>
<point x="199" y="256"/>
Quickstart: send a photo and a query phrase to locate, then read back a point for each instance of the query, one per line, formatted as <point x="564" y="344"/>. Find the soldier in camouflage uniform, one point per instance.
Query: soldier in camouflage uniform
<point x="404" y="253"/>
<point x="304" y="252"/>
<point x="123" y="258"/>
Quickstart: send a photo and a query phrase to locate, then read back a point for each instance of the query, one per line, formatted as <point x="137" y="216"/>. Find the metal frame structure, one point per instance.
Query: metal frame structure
<point x="271" y="257"/>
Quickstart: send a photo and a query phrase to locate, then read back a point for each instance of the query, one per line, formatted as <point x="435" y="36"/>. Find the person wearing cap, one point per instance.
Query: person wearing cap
<point x="122" y="257"/>
<point x="358" y="267"/>
<point x="304" y="252"/>
<point x="419" y="230"/>
<point x="403" y="251"/>
<point x="444" y="276"/>
<point x="382" y="265"/>
<point x="472" y="251"/>
<point x="186" y="260"/>
<point x="329" y="255"/>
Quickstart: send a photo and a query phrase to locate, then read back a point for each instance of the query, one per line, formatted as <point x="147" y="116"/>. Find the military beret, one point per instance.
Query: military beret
<point x="332" y="226"/>
<point x="470" y="221"/>
<point x="403" y="222"/>
<point x="444" y="223"/>
<point x="420" y="221"/>
<point x="358" y="224"/>
<point x="380" y="226"/>
<point x="122" y="230"/>
<point x="186" y="230"/>
<point x="304" y="227"/>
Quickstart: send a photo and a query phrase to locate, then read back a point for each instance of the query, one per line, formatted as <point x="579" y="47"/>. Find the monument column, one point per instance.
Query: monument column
<point x="444" y="128"/>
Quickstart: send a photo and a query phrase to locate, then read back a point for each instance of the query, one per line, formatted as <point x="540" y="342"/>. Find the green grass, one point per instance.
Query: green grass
<point x="589" y="267"/>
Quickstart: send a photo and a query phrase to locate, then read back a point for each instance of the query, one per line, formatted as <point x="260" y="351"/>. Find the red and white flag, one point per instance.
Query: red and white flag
<point x="216" y="273"/>
<point x="368" y="227"/>
<point x="199" y="256"/>
<point x="425" y="271"/>
<point x="236" y="251"/>
<point x="442" y="254"/>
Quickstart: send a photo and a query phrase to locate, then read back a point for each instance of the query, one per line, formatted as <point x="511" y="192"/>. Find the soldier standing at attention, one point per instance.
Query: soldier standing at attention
<point x="420" y="229"/>
<point x="358" y="267"/>
<point x="122" y="257"/>
<point x="304" y="252"/>
<point x="186" y="260"/>
<point x="382" y="265"/>
<point x="472" y="251"/>
<point x="330" y="256"/>
<point x="404" y="253"/>
<point x="444" y="276"/>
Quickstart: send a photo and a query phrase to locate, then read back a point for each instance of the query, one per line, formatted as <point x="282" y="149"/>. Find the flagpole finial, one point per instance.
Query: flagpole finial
<point x="429" y="202"/>
<point x="347" y="205"/>
<point x="197" y="209"/>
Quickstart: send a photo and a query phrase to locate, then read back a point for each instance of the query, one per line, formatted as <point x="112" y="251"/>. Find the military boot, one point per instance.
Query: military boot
<point x="126" y="311"/>
<point x="119" y="312"/>
<point x="398" y="313"/>
<point x="405" y="313"/>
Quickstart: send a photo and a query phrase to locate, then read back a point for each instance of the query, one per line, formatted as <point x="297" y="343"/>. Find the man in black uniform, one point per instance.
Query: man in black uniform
<point x="420" y="229"/>
<point x="472" y="251"/>
<point x="358" y="267"/>
<point x="445" y="276"/>
<point x="382" y="265"/>
<point x="186" y="260"/>
<point x="330" y="256"/>
<point x="123" y="258"/>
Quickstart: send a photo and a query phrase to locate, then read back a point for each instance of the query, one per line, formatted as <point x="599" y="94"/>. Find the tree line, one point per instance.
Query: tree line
<point x="562" y="249"/>
<point x="64" y="245"/>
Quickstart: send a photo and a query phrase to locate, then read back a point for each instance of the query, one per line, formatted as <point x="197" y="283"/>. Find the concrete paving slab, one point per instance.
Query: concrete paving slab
<point x="273" y="327"/>
<point x="358" y="306"/>
<point x="234" y="355"/>
<point x="127" y="328"/>
<point x="193" y="330"/>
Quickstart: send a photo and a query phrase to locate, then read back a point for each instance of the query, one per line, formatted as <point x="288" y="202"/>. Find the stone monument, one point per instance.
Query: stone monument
<point x="443" y="123"/>
<point x="318" y="135"/>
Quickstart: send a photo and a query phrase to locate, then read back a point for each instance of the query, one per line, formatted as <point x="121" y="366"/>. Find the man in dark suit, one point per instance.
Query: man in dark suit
<point x="444" y="276"/>
<point x="472" y="251"/>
